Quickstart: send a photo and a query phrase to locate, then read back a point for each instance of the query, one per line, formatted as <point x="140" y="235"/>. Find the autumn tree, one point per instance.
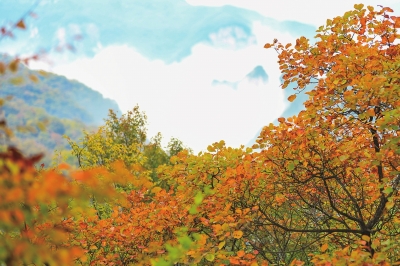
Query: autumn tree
<point x="326" y="181"/>
<point x="337" y="161"/>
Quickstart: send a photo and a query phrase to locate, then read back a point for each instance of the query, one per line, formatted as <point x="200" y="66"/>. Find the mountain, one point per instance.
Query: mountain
<point x="42" y="107"/>
<point x="258" y="75"/>
<point x="292" y="109"/>
<point x="59" y="96"/>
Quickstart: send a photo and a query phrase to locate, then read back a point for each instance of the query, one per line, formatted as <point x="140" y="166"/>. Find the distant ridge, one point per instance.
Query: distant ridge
<point x="45" y="107"/>
<point x="258" y="74"/>
<point x="56" y="94"/>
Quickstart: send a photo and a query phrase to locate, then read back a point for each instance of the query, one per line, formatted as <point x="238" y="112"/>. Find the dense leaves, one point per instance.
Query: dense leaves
<point x="319" y="188"/>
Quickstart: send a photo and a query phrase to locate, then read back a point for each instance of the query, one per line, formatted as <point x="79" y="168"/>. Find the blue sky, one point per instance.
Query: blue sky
<point x="196" y="67"/>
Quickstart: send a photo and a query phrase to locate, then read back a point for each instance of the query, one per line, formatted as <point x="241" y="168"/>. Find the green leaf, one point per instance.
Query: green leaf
<point x="208" y="190"/>
<point x="185" y="241"/>
<point x="210" y="257"/>
<point x="291" y="166"/>
<point x="376" y="162"/>
<point x="161" y="262"/>
<point x="388" y="190"/>
<point x="193" y="209"/>
<point x="198" y="198"/>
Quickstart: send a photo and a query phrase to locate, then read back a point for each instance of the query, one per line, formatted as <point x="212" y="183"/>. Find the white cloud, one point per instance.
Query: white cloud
<point x="180" y="99"/>
<point x="33" y="32"/>
<point x="61" y="36"/>
<point x="231" y="38"/>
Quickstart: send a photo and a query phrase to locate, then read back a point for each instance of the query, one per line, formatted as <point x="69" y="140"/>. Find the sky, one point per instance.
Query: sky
<point x="196" y="67"/>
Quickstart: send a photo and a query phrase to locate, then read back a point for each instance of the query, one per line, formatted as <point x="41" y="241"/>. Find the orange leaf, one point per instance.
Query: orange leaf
<point x="64" y="166"/>
<point x="2" y="68"/>
<point x="237" y="234"/>
<point x="34" y="78"/>
<point x="234" y="261"/>
<point x="13" y="66"/>
<point x="371" y="112"/>
<point x="21" y="24"/>
<point x="324" y="247"/>
<point x="292" y="97"/>
<point x="281" y="119"/>
<point x="241" y="253"/>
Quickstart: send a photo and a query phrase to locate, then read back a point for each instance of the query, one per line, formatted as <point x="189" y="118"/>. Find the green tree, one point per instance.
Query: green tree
<point x="124" y="138"/>
<point x="119" y="139"/>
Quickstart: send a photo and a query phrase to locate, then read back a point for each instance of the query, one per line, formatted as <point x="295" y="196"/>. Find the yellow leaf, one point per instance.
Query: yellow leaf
<point x="292" y="98"/>
<point x="41" y="125"/>
<point x="237" y="234"/>
<point x="156" y="190"/>
<point x="43" y="73"/>
<point x="17" y="81"/>
<point x="210" y="148"/>
<point x="225" y="227"/>
<point x="221" y="244"/>
<point x="324" y="247"/>
<point x="389" y="205"/>
<point x="238" y="211"/>
<point x="366" y="238"/>
<point x="358" y="7"/>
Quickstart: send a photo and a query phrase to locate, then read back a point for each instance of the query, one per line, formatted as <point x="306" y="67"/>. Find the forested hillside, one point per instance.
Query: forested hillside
<point x="44" y="107"/>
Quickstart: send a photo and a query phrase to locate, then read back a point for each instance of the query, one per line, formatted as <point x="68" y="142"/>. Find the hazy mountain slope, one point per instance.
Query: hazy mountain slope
<point x="42" y="112"/>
